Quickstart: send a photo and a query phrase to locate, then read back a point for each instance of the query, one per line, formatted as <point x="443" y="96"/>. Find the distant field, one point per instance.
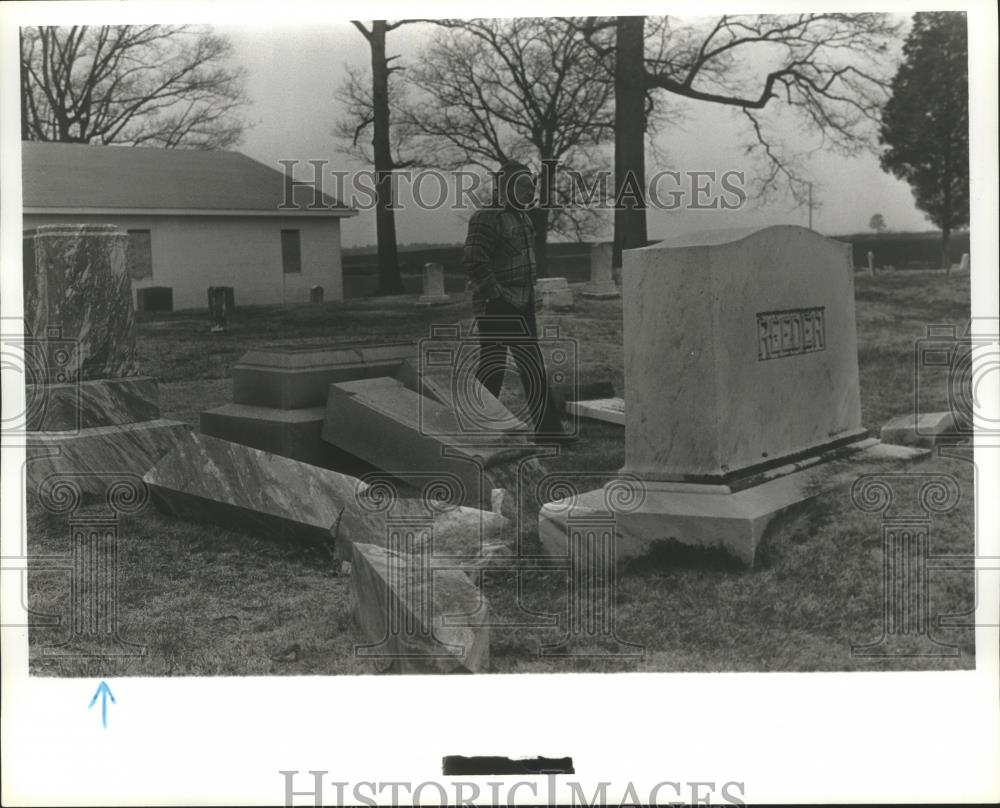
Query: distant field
<point x="572" y="260"/>
<point x="207" y="600"/>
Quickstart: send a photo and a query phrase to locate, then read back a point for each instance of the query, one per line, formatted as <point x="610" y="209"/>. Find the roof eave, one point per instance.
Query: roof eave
<point x="337" y="213"/>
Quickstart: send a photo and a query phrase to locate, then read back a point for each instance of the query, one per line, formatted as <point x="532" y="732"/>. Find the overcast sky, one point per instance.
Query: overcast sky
<point x="293" y="73"/>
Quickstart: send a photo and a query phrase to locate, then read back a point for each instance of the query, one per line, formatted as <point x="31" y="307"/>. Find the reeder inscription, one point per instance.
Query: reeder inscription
<point x="790" y="332"/>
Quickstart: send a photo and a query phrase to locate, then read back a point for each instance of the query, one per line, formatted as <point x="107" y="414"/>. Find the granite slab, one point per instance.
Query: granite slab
<point x="417" y="619"/>
<point x="397" y="430"/>
<point x="915" y="429"/>
<point x="213" y="480"/>
<point x="91" y="455"/>
<point x="98" y="402"/>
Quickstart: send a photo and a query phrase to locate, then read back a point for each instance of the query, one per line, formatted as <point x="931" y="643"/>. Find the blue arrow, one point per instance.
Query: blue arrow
<point x="105" y="693"/>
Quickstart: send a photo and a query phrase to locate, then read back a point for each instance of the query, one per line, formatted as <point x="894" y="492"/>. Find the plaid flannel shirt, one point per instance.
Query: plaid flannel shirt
<point x="499" y="256"/>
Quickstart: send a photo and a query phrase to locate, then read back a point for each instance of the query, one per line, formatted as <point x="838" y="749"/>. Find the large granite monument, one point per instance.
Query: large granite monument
<point x="741" y="383"/>
<point x="89" y="413"/>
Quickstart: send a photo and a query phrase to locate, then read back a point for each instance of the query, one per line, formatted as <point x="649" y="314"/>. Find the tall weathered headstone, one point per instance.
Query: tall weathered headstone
<point x="741" y="373"/>
<point x="871" y="263"/>
<point x="602" y="283"/>
<point x="219" y="306"/>
<point x="90" y="415"/>
<point x="434" y="293"/>
<point x="77" y="286"/>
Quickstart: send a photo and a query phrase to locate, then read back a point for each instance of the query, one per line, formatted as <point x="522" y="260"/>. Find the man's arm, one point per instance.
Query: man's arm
<point x="477" y="257"/>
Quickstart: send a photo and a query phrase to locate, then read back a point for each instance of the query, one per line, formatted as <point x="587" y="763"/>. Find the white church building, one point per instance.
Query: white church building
<point x="195" y="218"/>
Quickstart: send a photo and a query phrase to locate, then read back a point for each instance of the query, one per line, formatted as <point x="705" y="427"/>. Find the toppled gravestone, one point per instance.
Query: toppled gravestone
<point x="418" y="618"/>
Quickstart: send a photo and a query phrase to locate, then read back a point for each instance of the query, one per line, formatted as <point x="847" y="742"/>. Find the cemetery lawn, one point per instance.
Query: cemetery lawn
<point x="206" y="600"/>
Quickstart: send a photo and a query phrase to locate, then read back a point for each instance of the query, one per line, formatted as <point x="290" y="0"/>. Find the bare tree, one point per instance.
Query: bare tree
<point x="527" y="89"/>
<point x="156" y="85"/>
<point x="369" y="107"/>
<point x="828" y="69"/>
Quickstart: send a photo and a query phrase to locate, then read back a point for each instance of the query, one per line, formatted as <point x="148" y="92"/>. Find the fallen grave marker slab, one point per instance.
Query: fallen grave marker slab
<point x="609" y="410"/>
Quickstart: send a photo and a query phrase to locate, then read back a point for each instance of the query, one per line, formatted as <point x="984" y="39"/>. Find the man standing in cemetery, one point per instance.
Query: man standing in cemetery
<point x="500" y="259"/>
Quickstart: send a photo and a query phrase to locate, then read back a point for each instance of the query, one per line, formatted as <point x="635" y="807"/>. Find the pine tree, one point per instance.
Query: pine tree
<point x="925" y="124"/>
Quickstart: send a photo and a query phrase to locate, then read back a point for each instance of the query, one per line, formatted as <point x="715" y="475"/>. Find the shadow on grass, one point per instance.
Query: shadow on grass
<point x="668" y="554"/>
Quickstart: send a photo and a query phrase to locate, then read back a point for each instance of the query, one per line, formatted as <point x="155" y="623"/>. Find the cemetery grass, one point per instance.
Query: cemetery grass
<point x="206" y="600"/>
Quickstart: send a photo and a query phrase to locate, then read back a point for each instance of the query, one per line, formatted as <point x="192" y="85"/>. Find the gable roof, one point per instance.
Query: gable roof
<point x="80" y="177"/>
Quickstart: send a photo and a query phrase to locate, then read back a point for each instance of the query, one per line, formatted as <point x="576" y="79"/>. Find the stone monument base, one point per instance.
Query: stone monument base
<point x="709" y="517"/>
<point x="601" y="291"/>
<point x="433" y="300"/>
<point x="290" y="433"/>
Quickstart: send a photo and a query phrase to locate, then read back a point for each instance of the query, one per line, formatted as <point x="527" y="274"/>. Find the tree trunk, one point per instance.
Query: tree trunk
<point x="389" y="281"/>
<point x="540" y="220"/>
<point x="540" y="216"/>
<point x="630" y="136"/>
<point x="945" y="242"/>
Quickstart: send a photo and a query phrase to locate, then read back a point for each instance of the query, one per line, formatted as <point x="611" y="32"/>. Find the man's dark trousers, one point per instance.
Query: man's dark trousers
<point x="504" y="327"/>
